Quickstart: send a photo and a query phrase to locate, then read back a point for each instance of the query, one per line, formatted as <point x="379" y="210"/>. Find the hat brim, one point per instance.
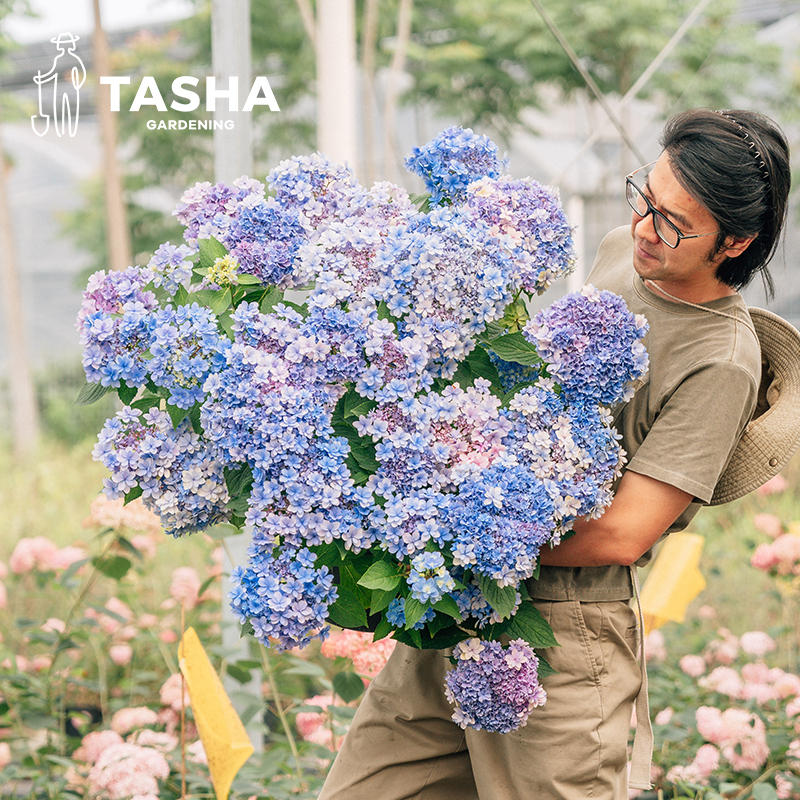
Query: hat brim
<point x="772" y="437"/>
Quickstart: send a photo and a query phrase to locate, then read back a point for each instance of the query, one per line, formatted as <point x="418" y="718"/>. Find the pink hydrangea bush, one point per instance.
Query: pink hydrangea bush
<point x="724" y="715"/>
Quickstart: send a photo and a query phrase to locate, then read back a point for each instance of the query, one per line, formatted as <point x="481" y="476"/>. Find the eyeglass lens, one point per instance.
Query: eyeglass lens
<point x="638" y="202"/>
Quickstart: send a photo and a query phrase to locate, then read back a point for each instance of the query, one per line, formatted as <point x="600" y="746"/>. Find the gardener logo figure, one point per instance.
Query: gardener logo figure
<point x="66" y="92"/>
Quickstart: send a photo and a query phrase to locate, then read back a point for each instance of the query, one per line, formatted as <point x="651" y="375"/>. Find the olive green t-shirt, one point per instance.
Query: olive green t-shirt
<point x="687" y="413"/>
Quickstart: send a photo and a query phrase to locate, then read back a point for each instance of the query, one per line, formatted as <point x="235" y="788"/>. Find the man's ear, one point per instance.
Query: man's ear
<point x="734" y="246"/>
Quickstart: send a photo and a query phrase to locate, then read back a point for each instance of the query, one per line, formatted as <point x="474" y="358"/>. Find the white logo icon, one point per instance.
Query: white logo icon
<point x="66" y="78"/>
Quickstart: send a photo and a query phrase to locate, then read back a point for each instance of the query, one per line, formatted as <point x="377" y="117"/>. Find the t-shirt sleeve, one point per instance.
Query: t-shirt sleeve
<point x="697" y="429"/>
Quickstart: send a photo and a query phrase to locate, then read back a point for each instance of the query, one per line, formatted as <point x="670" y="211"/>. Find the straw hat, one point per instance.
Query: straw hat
<point x="773" y="434"/>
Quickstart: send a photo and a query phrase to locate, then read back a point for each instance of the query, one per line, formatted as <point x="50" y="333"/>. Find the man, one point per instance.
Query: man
<point x="707" y="216"/>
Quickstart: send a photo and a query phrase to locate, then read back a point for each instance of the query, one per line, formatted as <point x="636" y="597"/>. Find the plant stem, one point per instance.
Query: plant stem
<point x="280" y="711"/>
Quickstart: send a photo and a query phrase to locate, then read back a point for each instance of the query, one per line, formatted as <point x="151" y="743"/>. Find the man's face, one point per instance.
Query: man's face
<point x="690" y="268"/>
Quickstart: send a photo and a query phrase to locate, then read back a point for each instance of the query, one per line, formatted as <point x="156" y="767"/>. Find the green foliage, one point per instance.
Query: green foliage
<point x="484" y="64"/>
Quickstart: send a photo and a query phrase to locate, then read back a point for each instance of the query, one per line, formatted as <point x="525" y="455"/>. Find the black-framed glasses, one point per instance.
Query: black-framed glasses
<point x="666" y="230"/>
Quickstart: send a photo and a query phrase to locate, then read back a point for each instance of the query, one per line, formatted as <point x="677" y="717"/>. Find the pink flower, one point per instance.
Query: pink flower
<point x="120" y="654"/>
<point x="314" y="726"/>
<point x="664" y="716"/>
<point x="793" y="707"/>
<point x="3" y="596"/>
<point x="126" y="719"/>
<point x="32" y="553"/>
<point x="758" y="672"/>
<point x="757" y="643"/>
<point x="158" y="740"/>
<point x="3" y="571"/>
<point x="724" y="680"/>
<point x="147" y="621"/>
<point x="54" y="625"/>
<point x="724" y="650"/>
<point x="655" y="648"/>
<point x="784" y="787"/>
<point x="5" y="755"/>
<point x="786" y="683"/>
<point x="125" y="770"/>
<point x="768" y="524"/>
<point x="774" y="485"/>
<point x="196" y="753"/>
<point x="145" y="544"/>
<point x="168" y="636"/>
<point x="41" y="662"/>
<point x="368" y="657"/>
<point x="105" y="513"/>
<point x="170" y="693"/>
<point x="65" y="557"/>
<point x="739" y="734"/>
<point x="694" y="666"/>
<point x="93" y="744"/>
<point x="185" y="586"/>
<point x="704" y="764"/>
<point x="763" y="558"/>
<point x="706" y="612"/>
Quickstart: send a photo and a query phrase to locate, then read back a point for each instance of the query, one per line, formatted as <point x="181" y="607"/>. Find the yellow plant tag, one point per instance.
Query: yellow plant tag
<point x="224" y="738"/>
<point x="674" y="580"/>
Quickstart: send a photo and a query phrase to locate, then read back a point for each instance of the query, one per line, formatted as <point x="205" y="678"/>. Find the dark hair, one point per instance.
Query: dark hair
<point x="736" y="164"/>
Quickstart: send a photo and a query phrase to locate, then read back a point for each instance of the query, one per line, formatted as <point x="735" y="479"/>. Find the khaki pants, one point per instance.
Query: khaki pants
<point x="403" y="746"/>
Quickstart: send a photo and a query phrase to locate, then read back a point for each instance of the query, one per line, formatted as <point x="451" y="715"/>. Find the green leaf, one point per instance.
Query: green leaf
<point x="271" y="298"/>
<point x="133" y="494"/>
<point x="447" y="605"/>
<point x="177" y="415"/>
<point x="146" y="402"/>
<point x="238" y="479"/>
<point x="357" y="406"/>
<point x="414" y="611"/>
<point x="381" y="575"/>
<point x="763" y="791"/>
<point x="530" y="625"/>
<point x="115" y="567"/>
<point x="210" y="250"/>
<point x="502" y="600"/>
<point x="449" y="637"/>
<point x="245" y="279"/>
<point x="514" y="347"/>
<point x="544" y="667"/>
<point x="221" y="301"/>
<point x="381" y="599"/>
<point x="348" y="686"/>
<point x="91" y="393"/>
<point x="129" y="548"/>
<point x="126" y="393"/>
<point x="382" y="630"/>
<point x="383" y="311"/>
<point x="481" y="366"/>
<point x="347" y="611"/>
<point x="68" y="573"/>
<point x="238" y="673"/>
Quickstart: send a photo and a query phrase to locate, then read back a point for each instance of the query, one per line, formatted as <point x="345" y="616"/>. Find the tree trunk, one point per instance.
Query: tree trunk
<point x="393" y="89"/>
<point x="24" y="411"/>
<point x="118" y="235"/>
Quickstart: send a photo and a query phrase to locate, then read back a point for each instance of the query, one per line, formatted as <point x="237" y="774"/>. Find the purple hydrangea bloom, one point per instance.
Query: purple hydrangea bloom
<point x="284" y="596"/>
<point x="592" y="345"/>
<point x="179" y="473"/>
<point x="451" y="161"/>
<point x="530" y="218"/>
<point x="187" y="347"/>
<point x="209" y="210"/>
<point x="265" y="238"/>
<point x="115" y="324"/>
<point x="494" y="688"/>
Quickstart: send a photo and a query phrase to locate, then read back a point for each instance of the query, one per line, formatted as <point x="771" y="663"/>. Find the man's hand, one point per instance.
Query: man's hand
<point x="643" y="508"/>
